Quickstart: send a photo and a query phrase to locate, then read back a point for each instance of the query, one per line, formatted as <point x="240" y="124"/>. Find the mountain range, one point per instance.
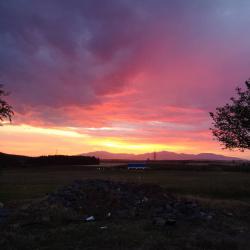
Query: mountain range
<point x="163" y="155"/>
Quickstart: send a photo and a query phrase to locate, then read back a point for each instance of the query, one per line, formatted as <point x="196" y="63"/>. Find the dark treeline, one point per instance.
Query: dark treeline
<point x="7" y="160"/>
<point x="64" y="160"/>
<point x="209" y="165"/>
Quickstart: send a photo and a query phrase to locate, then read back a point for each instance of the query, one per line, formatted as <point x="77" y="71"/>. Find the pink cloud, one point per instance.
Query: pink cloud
<point x="150" y="70"/>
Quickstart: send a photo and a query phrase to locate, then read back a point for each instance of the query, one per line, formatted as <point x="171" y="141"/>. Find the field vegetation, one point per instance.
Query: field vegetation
<point x="224" y="191"/>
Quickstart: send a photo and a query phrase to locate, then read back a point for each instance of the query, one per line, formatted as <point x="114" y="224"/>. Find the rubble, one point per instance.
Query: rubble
<point x="90" y="218"/>
<point x="107" y="200"/>
<point x="4" y="213"/>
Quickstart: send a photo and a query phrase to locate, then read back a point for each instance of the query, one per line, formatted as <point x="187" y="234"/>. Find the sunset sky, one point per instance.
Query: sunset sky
<point x="127" y="76"/>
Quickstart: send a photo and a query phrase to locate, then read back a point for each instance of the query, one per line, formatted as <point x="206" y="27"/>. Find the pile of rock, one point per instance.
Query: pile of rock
<point x="107" y="200"/>
<point x="4" y="213"/>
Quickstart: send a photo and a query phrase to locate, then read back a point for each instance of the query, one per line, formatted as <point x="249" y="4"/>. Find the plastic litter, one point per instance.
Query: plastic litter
<point x="90" y="218"/>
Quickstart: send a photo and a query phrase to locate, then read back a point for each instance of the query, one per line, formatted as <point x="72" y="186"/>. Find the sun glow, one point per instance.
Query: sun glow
<point x="29" y="140"/>
<point x="119" y="146"/>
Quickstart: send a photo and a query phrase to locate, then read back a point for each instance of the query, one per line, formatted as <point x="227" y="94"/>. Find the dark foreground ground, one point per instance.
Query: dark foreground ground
<point x="221" y="201"/>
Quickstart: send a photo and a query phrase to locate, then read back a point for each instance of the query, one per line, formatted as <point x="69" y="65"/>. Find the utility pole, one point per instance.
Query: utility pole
<point x="154" y="156"/>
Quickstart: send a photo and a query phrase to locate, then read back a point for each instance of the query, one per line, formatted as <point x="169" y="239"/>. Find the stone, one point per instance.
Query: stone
<point x="158" y="221"/>
<point x="122" y="213"/>
<point x="15" y="226"/>
<point x="203" y="214"/>
<point x="25" y="207"/>
<point x="4" y="212"/>
<point x="229" y="214"/>
<point x="45" y="219"/>
<point x="170" y="222"/>
<point x="168" y="207"/>
<point x="114" y="200"/>
<point x="209" y="217"/>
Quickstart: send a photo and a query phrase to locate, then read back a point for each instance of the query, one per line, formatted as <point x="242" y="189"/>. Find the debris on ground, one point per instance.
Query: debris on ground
<point x="90" y="218"/>
<point x="107" y="200"/>
<point x="99" y="214"/>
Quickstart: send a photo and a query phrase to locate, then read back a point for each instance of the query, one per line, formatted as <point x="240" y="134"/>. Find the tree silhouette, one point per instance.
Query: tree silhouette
<point x="6" y="111"/>
<point x="231" y="123"/>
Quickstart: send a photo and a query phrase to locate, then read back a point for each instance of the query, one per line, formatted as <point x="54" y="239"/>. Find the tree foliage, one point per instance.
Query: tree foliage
<point x="231" y="123"/>
<point x="6" y="111"/>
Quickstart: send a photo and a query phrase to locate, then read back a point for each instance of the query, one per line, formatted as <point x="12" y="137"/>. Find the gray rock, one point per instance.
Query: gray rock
<point x="170" y="222"/>
<point x="45" y="219"/>
<point x="209" y="217"/>
<point x="4" y="212"/>
<point x="122" y="214"/>
<point x="159" y="221"/>
<point x="124" y="200"/>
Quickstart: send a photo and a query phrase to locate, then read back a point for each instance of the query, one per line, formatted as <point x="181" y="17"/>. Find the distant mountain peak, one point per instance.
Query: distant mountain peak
<point x="162" y="155"/>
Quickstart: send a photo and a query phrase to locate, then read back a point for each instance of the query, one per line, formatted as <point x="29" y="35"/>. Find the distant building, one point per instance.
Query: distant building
<point x="136" y="165"/>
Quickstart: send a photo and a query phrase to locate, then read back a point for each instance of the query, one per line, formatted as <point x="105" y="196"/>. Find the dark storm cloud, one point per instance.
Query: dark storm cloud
<point x="67" y="52"/>
<point x="58" y="53"/>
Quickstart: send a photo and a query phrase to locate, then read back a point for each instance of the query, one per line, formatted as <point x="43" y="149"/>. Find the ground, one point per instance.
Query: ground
<point x="226" y="192"/>
<point x="29" y="183"/>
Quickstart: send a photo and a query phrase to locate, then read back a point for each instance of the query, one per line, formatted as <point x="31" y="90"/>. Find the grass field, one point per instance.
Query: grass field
<point x="19" y="184"/>
<point x="224" y="191"/>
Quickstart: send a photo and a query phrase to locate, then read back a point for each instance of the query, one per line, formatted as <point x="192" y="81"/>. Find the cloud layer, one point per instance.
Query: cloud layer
<point x="152" y="66"/>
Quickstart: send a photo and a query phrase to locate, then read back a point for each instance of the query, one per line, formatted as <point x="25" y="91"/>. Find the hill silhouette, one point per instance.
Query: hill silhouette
<point x="162" y="155"/>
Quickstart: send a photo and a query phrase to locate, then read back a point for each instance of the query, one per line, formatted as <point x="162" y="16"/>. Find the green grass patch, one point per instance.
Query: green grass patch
<point x="31" y="183"/>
